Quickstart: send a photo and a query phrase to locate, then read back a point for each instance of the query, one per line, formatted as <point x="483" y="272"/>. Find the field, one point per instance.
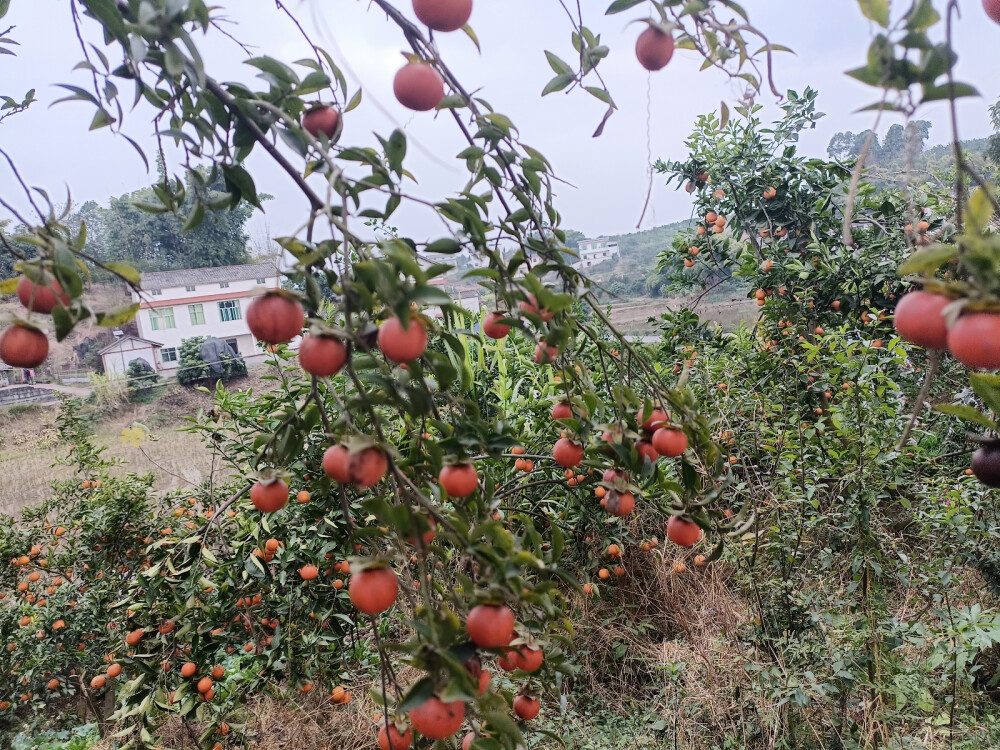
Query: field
<point x="632" y="317"/>
<point x="29" y="446"/>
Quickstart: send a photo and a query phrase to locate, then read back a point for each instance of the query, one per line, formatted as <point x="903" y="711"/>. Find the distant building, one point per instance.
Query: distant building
<point x="594" y="252"/>
<point x="466" y="296"/>
<point x="117" y="356"/>
<point x="179" y="305"/>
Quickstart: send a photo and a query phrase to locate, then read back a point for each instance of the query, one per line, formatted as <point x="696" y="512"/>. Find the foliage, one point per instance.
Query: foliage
<point x="193" y="369"/>
<point x="128" y="232"/>
<point x="837" y="541"/>
<point x="139" y="378"/>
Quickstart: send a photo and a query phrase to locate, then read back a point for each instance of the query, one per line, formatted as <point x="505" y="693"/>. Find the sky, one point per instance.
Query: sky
<point x="607" y="177"/>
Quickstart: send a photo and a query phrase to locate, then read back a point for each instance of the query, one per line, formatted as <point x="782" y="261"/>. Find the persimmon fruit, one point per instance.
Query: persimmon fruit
<point x="269" y="498"/>
<point x="435" y="719"/>
<point x="682" y="532"/>
<point x="974" y="340"/>
<point x="322" y="356"/>
<point x="490" y="625"/>
<point x="41" y="298"/>
<point x="418" y="86"/>
<point x="459" y="480"/>
<point x="321" y="119"/>
<point x="402" y="344"/>
<point x="373" y="590"/>
<point x="654" y="48"/>
<point x="919" y="319"/>
<point x="443" y="15"/>
<point x="23" y="346"/>
<point x="275" y="318"/>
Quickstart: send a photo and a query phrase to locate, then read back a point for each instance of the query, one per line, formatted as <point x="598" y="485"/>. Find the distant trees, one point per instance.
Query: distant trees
<point x="129" y="230"/>
<point x="891" y="151"/>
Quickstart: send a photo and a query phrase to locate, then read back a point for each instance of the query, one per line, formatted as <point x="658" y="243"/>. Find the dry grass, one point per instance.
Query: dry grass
<point x="29" y="445"/>
<point x="631" y="317"/>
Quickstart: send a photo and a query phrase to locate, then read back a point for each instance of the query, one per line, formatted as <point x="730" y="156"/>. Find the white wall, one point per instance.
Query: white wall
<point x="116" y="362"/>
<point x="208" y="296"/>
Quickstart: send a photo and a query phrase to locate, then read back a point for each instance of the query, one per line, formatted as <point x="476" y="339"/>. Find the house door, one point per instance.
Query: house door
<point x="233" y="345"/>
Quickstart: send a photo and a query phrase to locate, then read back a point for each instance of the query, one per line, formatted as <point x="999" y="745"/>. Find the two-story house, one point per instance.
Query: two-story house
<point x="595" y="252"/>
<point x="179" y="305"/>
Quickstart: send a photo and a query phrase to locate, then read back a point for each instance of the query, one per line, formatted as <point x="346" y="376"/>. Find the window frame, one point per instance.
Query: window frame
<point x="230" y="305"/>
<point x="191" y="315"/>
<point x="158" y="314"/>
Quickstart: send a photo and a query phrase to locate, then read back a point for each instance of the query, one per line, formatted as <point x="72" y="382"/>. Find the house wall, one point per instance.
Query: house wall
<point x="594" y="252"/>
<point x="116" y="361"/>
<point x="209" y="296"/>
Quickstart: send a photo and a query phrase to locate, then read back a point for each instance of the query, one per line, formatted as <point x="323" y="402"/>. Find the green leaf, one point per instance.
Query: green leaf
<point x="196" y="218"/>
<point x="922" y="16"/>
<point x="928" y="259"/>
<point x="240" y="184"/>
<point x="558" y="83"/>
<point x="622" y="5"/>
<point x="503" y="724"/>
<point x="445" y="246"/>
<point x="125" y="271"/>
<point x="987" y="387"/>
<point x="429" y="295"/>
<point x="315" y="81"/>
<point x="876" y="10"/>
<point x="9" y="286"/>
<point x="174" y="60"/>
<point x="62" y="321"/>
<point x="395" y="150"/>
<point x="355" y="101"/>
<point x="946" y="91"/>
<point x="557" y="64"/>
<point x="968" y="413"/>
<point x="117" y="316"/>
<point x="107" y="12"/>
<point x="417" y="695"/>
<point x="600" y="93"/>
<point x="4" y="7"/>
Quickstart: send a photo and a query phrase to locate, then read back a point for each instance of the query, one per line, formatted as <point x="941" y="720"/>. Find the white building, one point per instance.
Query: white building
<point x="179" y="305"/>
<point x="117" y="356"/>
<point x="595" y="252"/>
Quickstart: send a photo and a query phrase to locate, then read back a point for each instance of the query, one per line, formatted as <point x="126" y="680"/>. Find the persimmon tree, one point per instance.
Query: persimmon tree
<point x="428" y="481"/>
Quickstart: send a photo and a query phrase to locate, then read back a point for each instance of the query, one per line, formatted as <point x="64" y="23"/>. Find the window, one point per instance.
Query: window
<point x="189" y="289"/>
<point x="197" y="313"/>
<point x="261" y="281"/>
<point x="162" y="319"/>
<point x="229" y="309"/>
<point x="168" y="355"/>
<point x="223" y="285"/>
<point x="156" y="292"/>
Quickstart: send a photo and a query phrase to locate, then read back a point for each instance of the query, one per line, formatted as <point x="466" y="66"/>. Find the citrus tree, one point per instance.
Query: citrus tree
<point x="443" y="469"/>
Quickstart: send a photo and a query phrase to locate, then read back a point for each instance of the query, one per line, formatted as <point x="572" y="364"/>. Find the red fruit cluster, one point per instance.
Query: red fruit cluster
<point x="974" y="339"/>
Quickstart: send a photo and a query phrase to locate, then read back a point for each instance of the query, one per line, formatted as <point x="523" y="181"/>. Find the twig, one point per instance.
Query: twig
<point x="934" y="361"/>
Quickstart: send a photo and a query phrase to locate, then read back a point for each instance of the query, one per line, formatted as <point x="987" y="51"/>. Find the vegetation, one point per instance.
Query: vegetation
<point x="193" y="369"/>
<point x="533" y="531"/>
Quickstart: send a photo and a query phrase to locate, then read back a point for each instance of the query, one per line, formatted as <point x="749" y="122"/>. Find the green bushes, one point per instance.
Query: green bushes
<point x="193" y="369"/>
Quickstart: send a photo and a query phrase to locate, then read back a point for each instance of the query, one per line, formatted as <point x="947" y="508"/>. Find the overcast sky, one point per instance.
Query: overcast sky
<point x="53" y="148"/>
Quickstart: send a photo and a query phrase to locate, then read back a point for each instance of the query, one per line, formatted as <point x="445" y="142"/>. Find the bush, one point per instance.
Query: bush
<point x="194" y="369"/>
<point x="140" y="377"/>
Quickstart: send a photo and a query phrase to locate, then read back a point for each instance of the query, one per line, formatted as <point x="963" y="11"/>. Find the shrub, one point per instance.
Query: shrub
<point x="193" y="369"/>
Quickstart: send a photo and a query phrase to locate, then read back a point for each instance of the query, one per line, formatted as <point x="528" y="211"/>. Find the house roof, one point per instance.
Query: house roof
<point x="213" y="275"/>
<point x="111" y="346"/>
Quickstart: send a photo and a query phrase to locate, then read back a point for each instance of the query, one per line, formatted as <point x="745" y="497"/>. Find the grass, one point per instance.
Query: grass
<point x="632" y="317"/>
<point x="29" y="445"/>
